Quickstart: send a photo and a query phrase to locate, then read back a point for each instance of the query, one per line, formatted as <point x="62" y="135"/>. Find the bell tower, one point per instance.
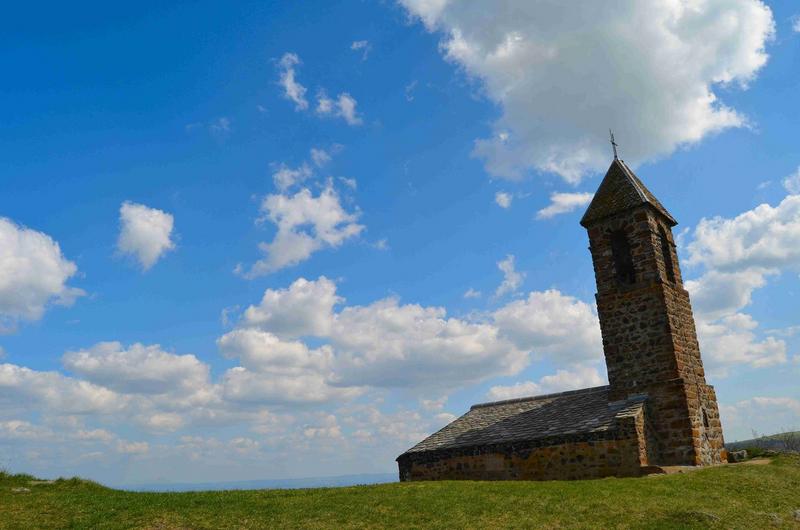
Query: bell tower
<point x="649" y="337"/>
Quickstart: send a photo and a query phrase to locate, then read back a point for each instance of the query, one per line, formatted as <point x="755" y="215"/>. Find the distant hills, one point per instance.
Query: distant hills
<point x="289" y="483"/>
<point x="787" y="441"/>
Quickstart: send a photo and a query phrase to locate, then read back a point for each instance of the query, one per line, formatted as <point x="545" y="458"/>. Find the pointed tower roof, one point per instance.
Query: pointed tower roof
<point x="621" y="190"/>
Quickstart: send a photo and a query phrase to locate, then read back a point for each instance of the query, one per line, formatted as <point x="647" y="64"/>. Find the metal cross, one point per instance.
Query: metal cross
<point x="613" y="144"/>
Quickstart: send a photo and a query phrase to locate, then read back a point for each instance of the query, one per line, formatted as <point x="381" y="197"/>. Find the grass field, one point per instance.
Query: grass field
<point x="732" y="496"/>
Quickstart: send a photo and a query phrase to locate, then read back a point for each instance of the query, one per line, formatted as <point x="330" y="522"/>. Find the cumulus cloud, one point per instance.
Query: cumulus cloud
<point x="731" y="340"/>
<point x="573" y="379"/>
<point x="552" y="325"/>
<point x="716" y="294"/>
<point x="306" y="224"/>
<point x="21" y="387"/>
<point x="286" y="177"/>
<point x="563" y="203"/>
<point x="764" y="237"/>
<point x="137" y="369"/>
<point x="292" y="89"/>
<point x="304" y="308"/>
<point x="386" y="344"/>
<point x="344" y="106"/>
<point x="33" y="274"/>
<point x="739" y="254"/>
<point x="512" y="280"/>
<point x="145" y="233"/>
<point x="649" y="68"/>
<point x="503" y="199"/>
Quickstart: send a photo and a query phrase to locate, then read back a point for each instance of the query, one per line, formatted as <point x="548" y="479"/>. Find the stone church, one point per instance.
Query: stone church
<point x="657" y="409"/>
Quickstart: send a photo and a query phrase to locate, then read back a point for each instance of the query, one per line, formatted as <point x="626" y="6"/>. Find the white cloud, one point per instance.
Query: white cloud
<point x="363" y="46"/>
<point x="305" y="225"/>
<point x="344" y="106"/>
<point x="552" y="325"/>
<point x="739" y="254"/>
<point x="132" y="448"/>
<point x="503" y="199"/>
<point x="716" y="294"/>
<point x="292" y="90"/>
<point x="245" y="386"/>
<point x="286" y="177"/>
<point x="409" y="90"/>
<point x="145" y="233"/>
<point x="648" y="68"/>
<point x="23" y="430"/>
<point x="512" y="279"/>
<point x="573" y="379"/>
<point x="472" y="293"/>
<point x="792" y="182"/>
<point x="731" y="340"/>
<point x="386" y="344"/>
<point x="762" y="414"/>
<point x="563" y="203"/>
<point x="263" y="352"/>
<point x="304" y="308"/>
<point x="51" y="391"/>
<point x="765" y="237"/>
<point x="796" y="23"/>
<point x="33" y="274"/>
<point x="326" y="427"/>
<point x="320" y="157"/>
<point x="163" y="422"/>
<point x="94" y="435"/>
<point x="137" y="369"/>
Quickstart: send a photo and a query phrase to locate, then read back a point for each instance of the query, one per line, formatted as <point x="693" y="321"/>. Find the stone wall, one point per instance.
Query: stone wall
<point x="650" y="340"/>
<point x="621" y="452"/>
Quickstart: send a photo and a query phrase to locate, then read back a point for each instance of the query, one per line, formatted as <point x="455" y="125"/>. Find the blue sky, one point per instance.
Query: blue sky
<point x="267" y="240"/>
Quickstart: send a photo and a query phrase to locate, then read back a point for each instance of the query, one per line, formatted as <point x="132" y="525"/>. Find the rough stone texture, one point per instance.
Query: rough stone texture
<point x="650" y="341"/>
<point x="658" y="409"/>
<point x="737" y="456"/>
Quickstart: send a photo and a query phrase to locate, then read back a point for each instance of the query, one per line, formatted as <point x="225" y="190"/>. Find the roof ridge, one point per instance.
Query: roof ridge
<point x="542" y="396"/>
<point x="635" y="181"/>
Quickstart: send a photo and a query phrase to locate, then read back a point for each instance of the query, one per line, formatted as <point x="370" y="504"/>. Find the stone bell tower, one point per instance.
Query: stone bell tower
<point x="648" y="328"/>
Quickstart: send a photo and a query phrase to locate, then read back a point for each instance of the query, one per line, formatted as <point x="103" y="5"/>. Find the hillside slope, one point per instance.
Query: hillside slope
<point x="732" y="496"/>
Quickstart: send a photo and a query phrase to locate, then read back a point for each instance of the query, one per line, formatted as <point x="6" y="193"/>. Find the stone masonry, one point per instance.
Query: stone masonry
<point x="657" y="409"/>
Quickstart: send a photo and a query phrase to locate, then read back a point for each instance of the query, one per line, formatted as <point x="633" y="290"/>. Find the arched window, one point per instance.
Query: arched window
<point x="623" y="261"/>
<point x="666" y="253"/>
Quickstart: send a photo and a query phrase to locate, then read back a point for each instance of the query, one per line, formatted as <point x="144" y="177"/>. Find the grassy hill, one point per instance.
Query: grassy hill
<point x="733" y="496"/>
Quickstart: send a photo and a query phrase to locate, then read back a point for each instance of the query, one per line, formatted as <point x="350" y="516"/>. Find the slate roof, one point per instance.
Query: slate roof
<point x="621" y="190"/>
<point x="515" y="420"/>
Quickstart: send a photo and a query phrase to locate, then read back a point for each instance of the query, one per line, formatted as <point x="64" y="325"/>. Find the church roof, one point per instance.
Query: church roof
<point x="621" y="190"/>
<point x="515" y="420"/>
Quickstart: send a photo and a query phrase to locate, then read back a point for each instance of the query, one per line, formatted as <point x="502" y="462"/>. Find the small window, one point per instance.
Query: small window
<point x="705" y="419"/>
<point x="623" y="261"/>
<point x="666" y="253"/>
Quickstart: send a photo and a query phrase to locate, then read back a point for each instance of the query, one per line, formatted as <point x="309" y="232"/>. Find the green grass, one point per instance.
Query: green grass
<point x="733" y="496"/>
